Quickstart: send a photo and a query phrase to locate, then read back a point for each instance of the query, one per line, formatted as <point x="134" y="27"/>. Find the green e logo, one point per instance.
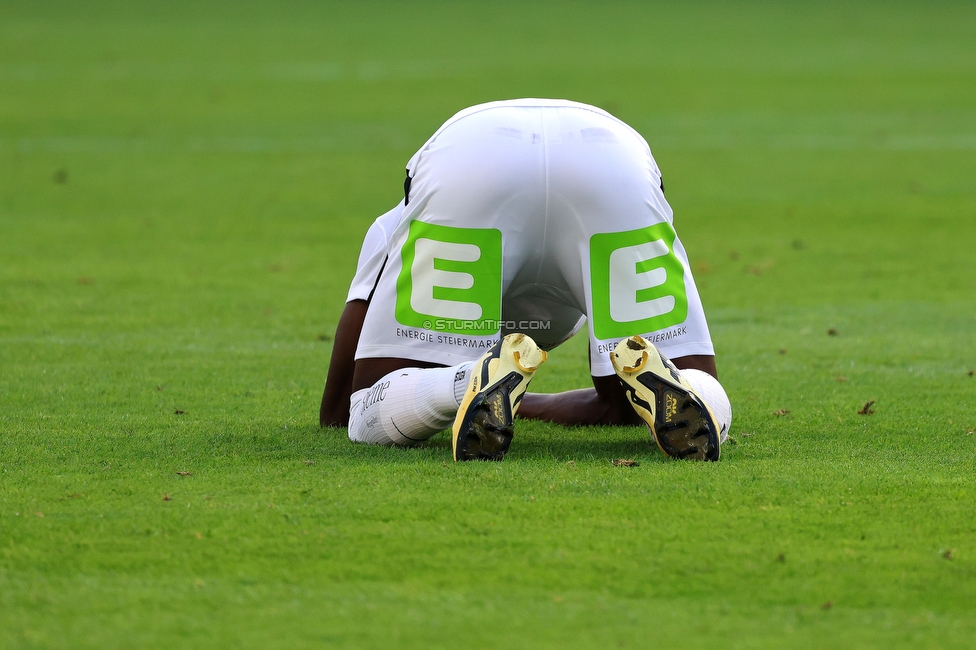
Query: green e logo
<point x="637" y="282"/>
<point x="451" y="279"/>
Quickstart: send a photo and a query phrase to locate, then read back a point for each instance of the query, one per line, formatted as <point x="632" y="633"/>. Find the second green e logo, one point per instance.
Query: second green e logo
<point x="637" y="282"/>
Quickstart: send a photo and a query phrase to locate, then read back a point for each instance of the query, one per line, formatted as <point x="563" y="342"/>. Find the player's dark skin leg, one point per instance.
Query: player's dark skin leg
<point x="346" y="375"/>
<point x="605" y="403"/>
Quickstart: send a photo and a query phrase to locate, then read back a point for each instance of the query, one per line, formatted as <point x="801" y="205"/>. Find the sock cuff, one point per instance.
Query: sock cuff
<point x="461" y="379"/>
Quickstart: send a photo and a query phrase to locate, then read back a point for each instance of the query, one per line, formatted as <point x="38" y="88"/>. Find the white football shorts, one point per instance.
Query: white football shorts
<point x="532" y="216"/>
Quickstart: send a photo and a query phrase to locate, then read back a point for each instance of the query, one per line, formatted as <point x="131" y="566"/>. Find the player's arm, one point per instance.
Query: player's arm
<point x="334" y="411"/>
<point x="605" y="403"/>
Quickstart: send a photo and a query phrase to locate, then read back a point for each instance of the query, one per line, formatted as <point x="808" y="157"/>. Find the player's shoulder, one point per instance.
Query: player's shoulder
<point x="381" y="230"/>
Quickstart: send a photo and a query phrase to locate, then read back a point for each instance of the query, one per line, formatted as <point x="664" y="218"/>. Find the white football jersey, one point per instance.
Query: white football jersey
<point x="534" y="216"/>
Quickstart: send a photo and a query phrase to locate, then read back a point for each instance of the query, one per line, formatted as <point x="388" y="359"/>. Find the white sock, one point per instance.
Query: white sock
<point x="714" y="396"/>
<point x="407" y="406"/>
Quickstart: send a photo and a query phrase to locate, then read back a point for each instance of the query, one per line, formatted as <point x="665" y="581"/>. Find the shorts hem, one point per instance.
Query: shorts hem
<point x="684" y="350"/>
<point x="442" y="357"/>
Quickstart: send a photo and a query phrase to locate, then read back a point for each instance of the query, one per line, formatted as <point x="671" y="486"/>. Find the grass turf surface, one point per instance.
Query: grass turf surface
<point x="183" y="190"/>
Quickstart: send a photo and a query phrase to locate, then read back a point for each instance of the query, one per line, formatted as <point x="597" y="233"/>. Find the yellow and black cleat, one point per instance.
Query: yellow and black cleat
<point x="682" y="425"/>
<point x="484" y="425"/>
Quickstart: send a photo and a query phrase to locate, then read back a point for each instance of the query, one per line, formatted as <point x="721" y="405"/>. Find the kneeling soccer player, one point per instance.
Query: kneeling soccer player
<point x="522" y="220"/>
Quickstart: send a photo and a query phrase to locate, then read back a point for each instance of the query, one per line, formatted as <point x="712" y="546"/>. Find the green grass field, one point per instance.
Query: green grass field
<point x="183" y="190"/>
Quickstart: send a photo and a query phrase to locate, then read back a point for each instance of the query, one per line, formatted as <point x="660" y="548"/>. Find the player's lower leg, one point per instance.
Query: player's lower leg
<point x="407" y="406"/>
<point x="682" y="424"/>
<point x="483" y="427"/>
